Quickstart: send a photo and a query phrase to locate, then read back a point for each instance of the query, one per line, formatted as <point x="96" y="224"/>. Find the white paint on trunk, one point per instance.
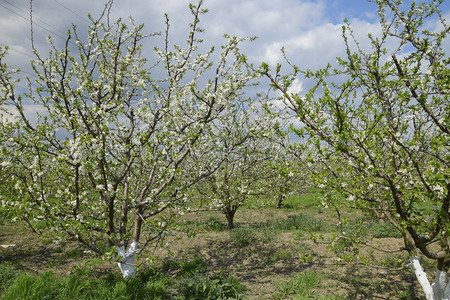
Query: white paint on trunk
<point x="439" y="290"/>
<point x="447" y="290"/>
<point x="440" y="285"/>
<point x="422" y="278"/>
<point x="126" y="263"/>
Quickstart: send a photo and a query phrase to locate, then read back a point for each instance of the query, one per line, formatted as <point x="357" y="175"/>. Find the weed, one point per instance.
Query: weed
<point x="301" y="286"/>
<point x="170" y="265"/>
<point x="205" y="288"/>
<point x="267" y="235"/>
<point x="192" y="267"/>
<point x="299" y="222"/>
<point x="280" y="254"/>
<point x="215" y="224"/>
<point x="7" y="277"/>
<point x="404" y="295"/>
<point x="393" y="261"/>
<point x="372" y="228"/>
<point x="211" y="224"/>
<point x="28" y="287"/>
<point x="383" y="230"/>
<point x="75" y="253"/>
<point x="243" y="237"/>
<point x="306" y="258"/>
<point x="299" y="235"/>
<point x="82" y="285"/>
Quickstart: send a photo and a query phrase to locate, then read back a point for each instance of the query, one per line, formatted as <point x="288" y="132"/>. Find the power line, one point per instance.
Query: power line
<point x="26" y="18"/>
<point x="18" y="51"/>
<point x="34" y="17"/>
<point x="13" y="12"/>
<point x="72" y="11"/>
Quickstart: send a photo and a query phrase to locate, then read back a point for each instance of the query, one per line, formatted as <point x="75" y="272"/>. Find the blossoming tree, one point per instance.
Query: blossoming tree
<point x="103" y="162"/>
<point x="238" y="156"/>
<point x="379" y="124"/>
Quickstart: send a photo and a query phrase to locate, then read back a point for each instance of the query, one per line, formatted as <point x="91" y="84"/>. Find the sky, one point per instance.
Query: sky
<point x="310" y="30"/>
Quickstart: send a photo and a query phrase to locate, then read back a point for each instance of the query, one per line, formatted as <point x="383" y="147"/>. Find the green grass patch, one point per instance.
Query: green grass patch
<point x="243" y="237"/>
<point x="266" y="233"/>
<point x="193" y="266"/>
<point x="83" y="284"/>
<point x="374" y="228"/>
<point x="301" y="286"/>
<point x="211" y="224"/>
<point x="309" y="199"/>
<point x="201" y="287"/>
<point x="7" y="277"/>
<point x="280" y="254"/>
<point x="299" y="222"/>
<point x="189" y="282"/>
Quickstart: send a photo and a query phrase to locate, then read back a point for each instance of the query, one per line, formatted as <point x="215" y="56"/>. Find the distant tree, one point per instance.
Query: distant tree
<point x="379" y="123"/>
<point x="104" y="162"/>
<point x="289" y="168"/>
<point x="291" y="178"/>
<point x="240" y="152"/>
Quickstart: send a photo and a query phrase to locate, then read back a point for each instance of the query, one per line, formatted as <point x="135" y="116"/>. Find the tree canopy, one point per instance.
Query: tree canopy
<point x="104" y="161"/>
<point x="378" y="126"/>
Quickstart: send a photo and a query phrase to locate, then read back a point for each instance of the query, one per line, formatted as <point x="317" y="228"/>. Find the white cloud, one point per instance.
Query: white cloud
<point x="272" y="54"/>
<point x="308" y="29"/>
<point x="296" y="87"/>
<point x="30" y="111"/>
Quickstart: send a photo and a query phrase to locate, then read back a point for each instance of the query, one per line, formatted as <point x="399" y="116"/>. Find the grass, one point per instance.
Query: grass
<point x="201" y="287"/>
<point x="210" y="224"/>
<point x="301" y="286"/>
<point x="153" y="283"/>
<point x="270" y="249"/>
<point x="373" y="228"/>
<point x="307" y="200"/>
<point x="84" y="285"/>
<point x="243" y="237"/>
<point x="280" y="255"/>
<point x="305" y="223"/>
<point x="7" y="277"/>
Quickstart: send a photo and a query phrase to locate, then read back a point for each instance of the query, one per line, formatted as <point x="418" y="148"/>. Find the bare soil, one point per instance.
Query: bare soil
<point x="260" y="267"/>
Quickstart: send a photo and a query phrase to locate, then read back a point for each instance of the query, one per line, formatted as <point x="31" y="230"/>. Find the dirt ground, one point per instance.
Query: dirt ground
<point x="260" y="267"/>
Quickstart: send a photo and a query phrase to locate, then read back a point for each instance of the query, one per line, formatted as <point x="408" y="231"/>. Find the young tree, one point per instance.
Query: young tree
<point x="290" y="175"/>
<point x="289" y="163"/>
<point x="379" y="123"/>
<point x="240" y="153"/>
<point x="104" y="162"/>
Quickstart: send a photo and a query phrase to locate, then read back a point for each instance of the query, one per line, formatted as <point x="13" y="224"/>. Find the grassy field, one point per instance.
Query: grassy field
<point x="269" y="255"/>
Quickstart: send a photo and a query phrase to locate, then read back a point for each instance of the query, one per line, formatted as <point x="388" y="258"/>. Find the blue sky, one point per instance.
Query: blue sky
<point x="337" y="10"/>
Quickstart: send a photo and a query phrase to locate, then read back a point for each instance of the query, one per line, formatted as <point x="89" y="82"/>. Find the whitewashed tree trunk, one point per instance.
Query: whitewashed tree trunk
<point x="439" y="290"/>
<point x="441" y="286"/>
<point x="126" y="263"/>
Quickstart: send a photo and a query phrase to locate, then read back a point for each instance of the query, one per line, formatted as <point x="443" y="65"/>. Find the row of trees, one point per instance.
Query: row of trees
<point x="378" y="124"/>
<point x="116" y="149"/>
<point x="121" y="150"/>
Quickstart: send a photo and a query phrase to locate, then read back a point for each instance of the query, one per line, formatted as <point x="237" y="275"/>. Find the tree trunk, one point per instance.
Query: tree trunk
<point x="229" y="214"/>
<point x="280" y="200"/>
<point x="441" y="286"/>
<point x="126" y="263"/>
<point x="439" y="290"/>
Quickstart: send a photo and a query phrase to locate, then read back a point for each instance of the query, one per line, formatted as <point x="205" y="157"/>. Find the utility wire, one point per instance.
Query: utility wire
<point x="34" y="17"/>
<point x="28" y="55"/>
<point x="72" y="11"/>
<point x="46" y="29"/>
